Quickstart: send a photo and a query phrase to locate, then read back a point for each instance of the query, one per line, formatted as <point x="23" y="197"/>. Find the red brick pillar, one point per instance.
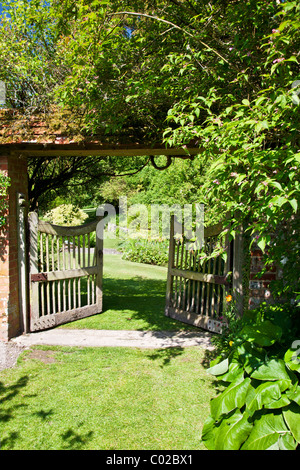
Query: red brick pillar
<point x="10" y="319"/>
<point x="260" y="284"/>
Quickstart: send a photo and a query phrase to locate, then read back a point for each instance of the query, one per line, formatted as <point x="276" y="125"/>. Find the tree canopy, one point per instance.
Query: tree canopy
<point x="223" y="74"/>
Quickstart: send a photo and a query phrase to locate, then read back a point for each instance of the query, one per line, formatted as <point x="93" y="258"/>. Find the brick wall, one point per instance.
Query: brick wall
<point x="259" y="286"/>
<point x="10" y="321"/>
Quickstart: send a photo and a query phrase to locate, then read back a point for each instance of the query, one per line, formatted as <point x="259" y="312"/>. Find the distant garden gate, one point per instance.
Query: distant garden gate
<point x="197" y="286"/>
<point x="65" y="272"/>
<point x="14" y="269"/>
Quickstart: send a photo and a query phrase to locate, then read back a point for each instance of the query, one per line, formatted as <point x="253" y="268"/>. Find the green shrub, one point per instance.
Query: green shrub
<point x="146" y="251"/>
<point x="66" y="215"/>
<point x="259" y="367"/>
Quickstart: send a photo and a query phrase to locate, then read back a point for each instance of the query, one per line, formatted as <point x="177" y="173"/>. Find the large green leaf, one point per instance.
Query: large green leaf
<point x="219" y="369"/>
<point x="292" y="418"/>
<point x="265" y="393"/>
<point x="209" y="431"/>
<point x="294" y="394"/>
<point x="229" y="433"/>
<point x="250" y="356"/>
<point x="272" y="370"/>
<point x="292" y="360"/>
<point x="263" y="334"/>
<point x="235" y="372"/>
<point x="233" y="431"/>
<point x="285" y="442"/>
<point x="233" y="397"/>
<point x="266" y="432"/>
<point x="280" y="403"/>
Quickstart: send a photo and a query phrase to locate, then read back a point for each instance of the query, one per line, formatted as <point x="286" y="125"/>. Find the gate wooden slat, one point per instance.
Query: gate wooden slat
<point x="196" y="287"/>
<point x="33" y="253"/>
<point x="60" y="257"/>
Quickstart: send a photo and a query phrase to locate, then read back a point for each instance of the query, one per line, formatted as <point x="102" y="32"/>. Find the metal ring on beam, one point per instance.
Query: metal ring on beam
<point x="169" y="161"/>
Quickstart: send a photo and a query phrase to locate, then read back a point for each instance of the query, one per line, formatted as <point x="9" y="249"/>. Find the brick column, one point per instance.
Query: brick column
<point x="10" y="320"/>
<point x="259" y="285"/>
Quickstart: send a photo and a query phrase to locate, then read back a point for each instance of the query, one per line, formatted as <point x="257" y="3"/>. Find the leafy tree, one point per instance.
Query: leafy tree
<point x="29" y="64"/>
<point x="219" y="74"/>
<point x="252" y="142"/>
<point x="51" y="178"/>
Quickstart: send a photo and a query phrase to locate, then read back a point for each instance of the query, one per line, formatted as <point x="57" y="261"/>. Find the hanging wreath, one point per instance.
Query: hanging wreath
<point x="169" y="161"/>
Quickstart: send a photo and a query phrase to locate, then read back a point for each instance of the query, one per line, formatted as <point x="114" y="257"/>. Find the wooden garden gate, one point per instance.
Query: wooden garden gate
<point x="65" y="272"/>
<point x="196" y="285"/>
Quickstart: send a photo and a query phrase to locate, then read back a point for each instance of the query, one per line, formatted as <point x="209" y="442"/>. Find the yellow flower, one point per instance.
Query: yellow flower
<point x="228" y="298"/>
<point x="230" y="343"/>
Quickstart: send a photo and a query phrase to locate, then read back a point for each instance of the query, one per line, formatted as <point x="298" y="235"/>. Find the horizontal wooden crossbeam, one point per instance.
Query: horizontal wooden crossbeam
<point x="61" y="275"/>
<point x="95" y="149"/>
<point x="195" y="276"/>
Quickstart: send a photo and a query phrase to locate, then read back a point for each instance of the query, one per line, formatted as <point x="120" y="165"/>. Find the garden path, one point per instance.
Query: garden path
<point x="10" y="351"/>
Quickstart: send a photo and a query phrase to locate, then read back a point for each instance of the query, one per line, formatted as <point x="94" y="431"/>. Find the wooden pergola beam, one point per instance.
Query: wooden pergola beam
<point x="94" y="149"/>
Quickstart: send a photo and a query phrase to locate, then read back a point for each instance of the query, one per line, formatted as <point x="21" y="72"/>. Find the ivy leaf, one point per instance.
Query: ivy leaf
<point x="263" y="241"/>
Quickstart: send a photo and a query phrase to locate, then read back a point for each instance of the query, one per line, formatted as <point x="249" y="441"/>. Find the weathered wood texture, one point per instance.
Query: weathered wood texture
<point x="197" y="283"/>
<point x="65" y="272"/>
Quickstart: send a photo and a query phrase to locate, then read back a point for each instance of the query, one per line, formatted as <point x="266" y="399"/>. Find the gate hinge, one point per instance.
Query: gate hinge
<point x="38" y="277"/>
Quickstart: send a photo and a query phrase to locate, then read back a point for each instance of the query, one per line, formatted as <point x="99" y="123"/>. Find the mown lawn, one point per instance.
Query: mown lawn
<point x="105" y="398"/>
<point x="110" y="398"/>
<point x="133" y="298"/>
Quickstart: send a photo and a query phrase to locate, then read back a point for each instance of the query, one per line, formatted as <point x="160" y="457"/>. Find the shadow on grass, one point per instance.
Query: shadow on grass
<point x="7" y="393"/>
<point x="72" y="439"/>
<point x="165" y="355"/>
<point x="143" y="298"/>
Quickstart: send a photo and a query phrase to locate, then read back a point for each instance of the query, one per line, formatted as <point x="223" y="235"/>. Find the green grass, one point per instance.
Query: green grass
<point x="105" y="398"/>
<point x="110" y="398"/>
<point x="133" y="299"/>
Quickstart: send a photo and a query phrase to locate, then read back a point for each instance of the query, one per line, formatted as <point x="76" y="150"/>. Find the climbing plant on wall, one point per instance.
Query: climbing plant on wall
<point x="4" y="185"/>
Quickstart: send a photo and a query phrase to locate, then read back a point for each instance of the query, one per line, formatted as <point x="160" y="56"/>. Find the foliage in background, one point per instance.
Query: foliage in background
<point x="250" y="136"/>
<point x="66" y="215"/>
<point x="29" y="64"/>
<point x="4" y="185"/>
<point x="146" y="251"/>
<point x="220" y="74"/>
<point x="259" y="365"/>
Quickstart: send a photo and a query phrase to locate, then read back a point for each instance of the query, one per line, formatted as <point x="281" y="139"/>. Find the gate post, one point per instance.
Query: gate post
<point x="241" y="270"/>
<point x="170" y="266"/>
<point x="99" y="256"/>
<point x="22" y="261"/>
<point x="15" y="167"/>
